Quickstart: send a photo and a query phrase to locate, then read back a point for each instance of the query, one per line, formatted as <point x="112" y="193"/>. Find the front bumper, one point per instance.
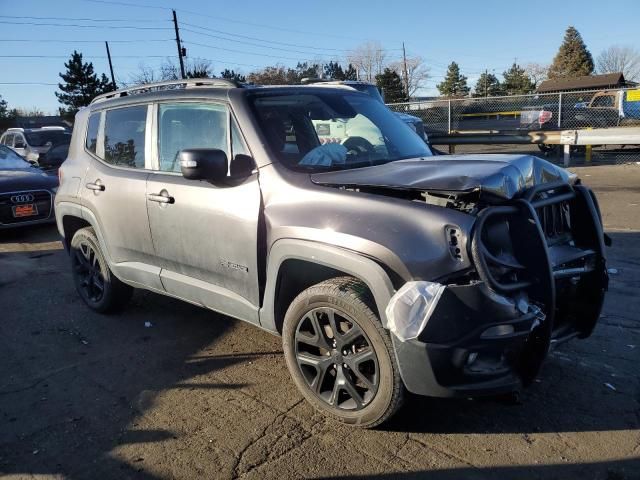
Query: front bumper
<point x="491" y="335"/>
<point x="471" y="345"/>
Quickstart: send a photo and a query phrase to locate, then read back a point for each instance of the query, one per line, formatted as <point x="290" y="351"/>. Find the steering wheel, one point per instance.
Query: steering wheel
<point x="359" y="147"/>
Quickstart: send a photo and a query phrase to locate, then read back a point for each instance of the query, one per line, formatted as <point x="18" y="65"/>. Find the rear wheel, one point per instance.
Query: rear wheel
<point x="94" y="281"/>
<point x="340" y="356"/>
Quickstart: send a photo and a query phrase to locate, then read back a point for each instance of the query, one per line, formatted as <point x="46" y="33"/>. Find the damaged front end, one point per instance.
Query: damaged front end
<point x="539" y="278"/>
<point x="532" y="269"/>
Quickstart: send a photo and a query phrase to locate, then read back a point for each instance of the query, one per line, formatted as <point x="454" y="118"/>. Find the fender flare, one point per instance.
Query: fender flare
<point x="363" y="268"/>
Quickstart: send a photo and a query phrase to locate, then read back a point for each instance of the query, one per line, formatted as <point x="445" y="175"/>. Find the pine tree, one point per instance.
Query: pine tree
<point x="4" y="108"/>
<point x="81" y="85"/>
<point x="488" y="85"/>
<point x="350" y="73"/>
<point x="334" y="71"/>
<point x="573" y="58"/>
<point x="454" y="84"/>
<point x="516" y="81"/>
<point x="391" y="84"/>
<point x="233" y="75"/>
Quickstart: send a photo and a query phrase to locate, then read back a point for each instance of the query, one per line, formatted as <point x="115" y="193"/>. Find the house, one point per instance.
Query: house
<point x="586" y="82"/>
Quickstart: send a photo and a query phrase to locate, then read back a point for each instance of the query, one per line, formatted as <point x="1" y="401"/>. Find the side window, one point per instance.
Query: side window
<point x="8" y="140"/>
<point x="190" y="125"/>
<point x="124" y="134"/>
<point x="91" y="142"/>
<point x="604" y="101"/>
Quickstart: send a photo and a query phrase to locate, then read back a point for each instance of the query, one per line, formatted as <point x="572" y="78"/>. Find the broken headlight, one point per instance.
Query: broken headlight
<point x="411" y="307"/>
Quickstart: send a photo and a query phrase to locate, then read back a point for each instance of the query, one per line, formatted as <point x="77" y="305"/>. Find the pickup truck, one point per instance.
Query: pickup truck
<point x="610" y="109"/>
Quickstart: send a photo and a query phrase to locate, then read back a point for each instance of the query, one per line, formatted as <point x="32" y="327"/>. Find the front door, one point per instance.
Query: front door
<point x="204" y="235"/>
<point x="114" y="189"/>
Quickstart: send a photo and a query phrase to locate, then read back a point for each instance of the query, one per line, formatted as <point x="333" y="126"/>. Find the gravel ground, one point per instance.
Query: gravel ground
<point x="198" y="395"/>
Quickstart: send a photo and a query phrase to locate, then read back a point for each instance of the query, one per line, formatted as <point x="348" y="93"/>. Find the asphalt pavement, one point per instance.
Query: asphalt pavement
<point x="170" y="390"/>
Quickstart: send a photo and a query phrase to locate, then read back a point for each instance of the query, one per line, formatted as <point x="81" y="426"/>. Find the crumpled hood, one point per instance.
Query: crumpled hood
<point x="500" y="175"/>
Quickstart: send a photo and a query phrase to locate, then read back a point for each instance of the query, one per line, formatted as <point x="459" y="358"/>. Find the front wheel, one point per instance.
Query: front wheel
<point x="340" y="356"/>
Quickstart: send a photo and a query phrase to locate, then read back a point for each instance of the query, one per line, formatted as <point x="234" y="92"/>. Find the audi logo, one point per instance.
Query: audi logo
<point x="22" y="198"/>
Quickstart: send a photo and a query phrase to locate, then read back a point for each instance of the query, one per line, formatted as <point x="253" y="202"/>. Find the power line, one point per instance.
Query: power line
<point x="200" y="14"/>
<point x="243" y="52"/>
<point x="84" y="26"/>
<point x="88" y="56"/>
<point x="249" y="43"/>
<point x="85" y="19"/>
<point x="128" y="4"/>
<point x="265" y="40"/>
<point x="30" y="40"/>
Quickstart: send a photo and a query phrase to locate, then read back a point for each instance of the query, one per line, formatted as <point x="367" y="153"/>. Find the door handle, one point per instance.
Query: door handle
<point x="159" y="198"/>
<point x="96" y="187"/>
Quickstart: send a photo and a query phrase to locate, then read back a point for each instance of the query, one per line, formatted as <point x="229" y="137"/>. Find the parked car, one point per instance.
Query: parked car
<point x="610" y="108"/>
<point x="54" y="156"/>
<point x="33" y="143"/>
<point x="382" y="267"/>
<point x="26" y="192"/>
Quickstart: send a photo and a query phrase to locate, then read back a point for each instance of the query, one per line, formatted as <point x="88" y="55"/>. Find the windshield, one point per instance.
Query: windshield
<point x="40" y="139"/>
<point x="320" y="131"/>
<point x="10" y="160"/>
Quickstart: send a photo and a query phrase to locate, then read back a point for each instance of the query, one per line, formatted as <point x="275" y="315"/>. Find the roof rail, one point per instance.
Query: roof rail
<point x="167" y="85"/>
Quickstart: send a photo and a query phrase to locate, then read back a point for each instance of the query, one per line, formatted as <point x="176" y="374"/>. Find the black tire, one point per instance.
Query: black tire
<point x="96" y="284"/>
<point x="365" y="372"/>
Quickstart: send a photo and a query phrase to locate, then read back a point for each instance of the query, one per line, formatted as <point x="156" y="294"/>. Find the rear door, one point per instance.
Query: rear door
<point x="204" y="235"/>
<point x="115" y="186"/>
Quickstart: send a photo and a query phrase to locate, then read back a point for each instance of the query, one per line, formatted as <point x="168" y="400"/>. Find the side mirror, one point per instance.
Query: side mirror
<point x="19" y="145"/>
<point x="203" y="164"/>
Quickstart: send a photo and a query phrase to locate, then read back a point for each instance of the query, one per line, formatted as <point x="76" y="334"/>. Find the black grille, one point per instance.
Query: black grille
<point x="41" y="198"/>
<point x="555" y="221"/>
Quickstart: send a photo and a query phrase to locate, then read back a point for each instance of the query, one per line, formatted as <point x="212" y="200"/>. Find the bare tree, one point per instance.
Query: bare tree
<point x="417" y="73"/>
<point x="369" y="59"/>
<point x="537" y="72"/>
<point x="145" y="74"/>
<point x="619" y="58"/>
<point x="169" y="70"/>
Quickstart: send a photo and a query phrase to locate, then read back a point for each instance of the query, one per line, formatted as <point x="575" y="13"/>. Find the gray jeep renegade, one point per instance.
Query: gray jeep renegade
<point x="384" y="269"/>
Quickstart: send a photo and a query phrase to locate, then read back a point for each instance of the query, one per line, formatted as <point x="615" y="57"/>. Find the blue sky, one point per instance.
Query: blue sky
<point x="478" y="35"/>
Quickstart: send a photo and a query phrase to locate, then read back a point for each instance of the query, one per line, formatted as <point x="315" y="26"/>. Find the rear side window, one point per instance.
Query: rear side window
<point x="124" y="136"/>
<point x="92" y="132"/>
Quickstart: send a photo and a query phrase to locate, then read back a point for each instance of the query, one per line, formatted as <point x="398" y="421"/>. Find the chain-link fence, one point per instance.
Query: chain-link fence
<point x="545" y="111"/>
<point x="535" y="112"/>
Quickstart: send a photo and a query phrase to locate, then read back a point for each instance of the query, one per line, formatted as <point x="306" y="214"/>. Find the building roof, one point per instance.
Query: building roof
<point x="586" y="82"/>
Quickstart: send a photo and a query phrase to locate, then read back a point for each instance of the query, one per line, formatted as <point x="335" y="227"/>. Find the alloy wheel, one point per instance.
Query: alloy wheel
<point x="336" y="359"/>
<point x="89" y="272"/>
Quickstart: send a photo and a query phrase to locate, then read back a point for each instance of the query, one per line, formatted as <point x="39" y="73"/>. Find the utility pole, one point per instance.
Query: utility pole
<point x="113" y="79"/>
<point x="405" y="74"/>
<point x="181" y="51"/>
<point x="486" y="87"/>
